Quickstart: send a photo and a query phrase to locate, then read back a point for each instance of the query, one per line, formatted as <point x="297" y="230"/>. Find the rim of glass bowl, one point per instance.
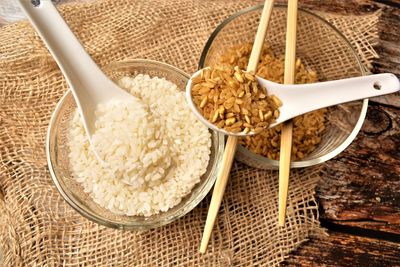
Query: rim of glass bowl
<point x="302" y="163"/>
<point x="132" y="225"/>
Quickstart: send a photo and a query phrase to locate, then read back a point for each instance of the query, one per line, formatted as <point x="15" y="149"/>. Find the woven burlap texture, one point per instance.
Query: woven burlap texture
<point x="38" y="228"/>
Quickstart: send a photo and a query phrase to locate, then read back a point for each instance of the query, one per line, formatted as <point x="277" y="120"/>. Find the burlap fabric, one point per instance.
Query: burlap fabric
<point x="38" y="228"/>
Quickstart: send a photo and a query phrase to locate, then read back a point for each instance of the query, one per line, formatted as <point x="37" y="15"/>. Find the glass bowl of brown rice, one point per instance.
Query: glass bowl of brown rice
<point x="323" y="54"/>
<point x="170" y="174"/>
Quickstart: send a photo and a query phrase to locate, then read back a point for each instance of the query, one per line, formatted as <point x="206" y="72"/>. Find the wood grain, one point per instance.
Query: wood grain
<point x="363" y="183"/>
<point x="389" y="41"/>
<point x="342" y="249"/>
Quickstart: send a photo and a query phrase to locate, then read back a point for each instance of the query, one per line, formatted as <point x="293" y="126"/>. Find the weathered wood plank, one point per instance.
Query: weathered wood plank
<point x="349" y="7"/>
<point x="363" y="182"/>
<point x="341" y="249"/>
<point x="382" y="227"/>
<point x="389" y="44"/>
<point x="390" y="100"/>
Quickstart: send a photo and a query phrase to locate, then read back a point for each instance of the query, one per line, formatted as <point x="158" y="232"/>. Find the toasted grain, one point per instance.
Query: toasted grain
<point x="233" y="96"/>
<point x="307" y="129"/>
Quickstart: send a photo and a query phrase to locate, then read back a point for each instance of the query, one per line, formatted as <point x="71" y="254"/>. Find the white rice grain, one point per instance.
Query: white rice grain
<point x="156" y="149"/>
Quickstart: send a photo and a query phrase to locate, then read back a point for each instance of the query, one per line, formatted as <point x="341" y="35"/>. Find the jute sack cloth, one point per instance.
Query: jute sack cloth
<point x="38" y="228"/>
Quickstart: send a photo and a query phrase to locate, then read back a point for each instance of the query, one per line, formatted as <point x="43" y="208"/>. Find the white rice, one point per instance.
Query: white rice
<point x="155" y="148"/>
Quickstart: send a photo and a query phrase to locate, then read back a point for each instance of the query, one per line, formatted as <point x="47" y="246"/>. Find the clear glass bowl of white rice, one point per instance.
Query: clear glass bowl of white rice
<point x="59" y="160"/>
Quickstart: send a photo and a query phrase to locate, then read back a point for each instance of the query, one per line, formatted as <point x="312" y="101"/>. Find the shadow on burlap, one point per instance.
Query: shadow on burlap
<point x="38" y="228"/>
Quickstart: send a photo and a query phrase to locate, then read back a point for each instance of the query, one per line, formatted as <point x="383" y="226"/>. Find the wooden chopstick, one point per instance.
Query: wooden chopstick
<point x="260" y="36"/>
<point x="231" y="143"/>
<point x="219" y="189"/>
<point x="286" y="133"/>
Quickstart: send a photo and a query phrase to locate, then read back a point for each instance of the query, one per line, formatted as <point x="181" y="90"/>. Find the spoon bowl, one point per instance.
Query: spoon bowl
<point x="299" y="99"/>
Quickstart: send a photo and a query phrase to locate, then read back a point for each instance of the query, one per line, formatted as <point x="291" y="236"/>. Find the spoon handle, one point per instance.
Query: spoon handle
<point x="302" y="98"/>
<point x="74" y="62"/>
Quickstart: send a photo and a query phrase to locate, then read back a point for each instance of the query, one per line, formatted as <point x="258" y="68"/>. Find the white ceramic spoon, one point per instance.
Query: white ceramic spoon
<point x="89" y="85"/>
<point x="298" y="99"/>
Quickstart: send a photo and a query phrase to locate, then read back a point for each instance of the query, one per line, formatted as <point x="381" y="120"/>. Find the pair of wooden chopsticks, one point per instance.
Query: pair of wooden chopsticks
<point x="286" y="138"/>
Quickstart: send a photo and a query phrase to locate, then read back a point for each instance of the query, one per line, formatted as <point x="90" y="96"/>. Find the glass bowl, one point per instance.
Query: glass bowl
<point x="58" y="161"/>
<point x="321" y="48"/>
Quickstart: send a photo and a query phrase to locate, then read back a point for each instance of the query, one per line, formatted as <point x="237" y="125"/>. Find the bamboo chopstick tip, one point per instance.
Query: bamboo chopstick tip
<point x="203" y="249"/>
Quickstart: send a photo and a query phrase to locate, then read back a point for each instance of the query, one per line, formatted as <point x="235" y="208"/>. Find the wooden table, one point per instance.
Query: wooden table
<point x="360" y="196"/>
